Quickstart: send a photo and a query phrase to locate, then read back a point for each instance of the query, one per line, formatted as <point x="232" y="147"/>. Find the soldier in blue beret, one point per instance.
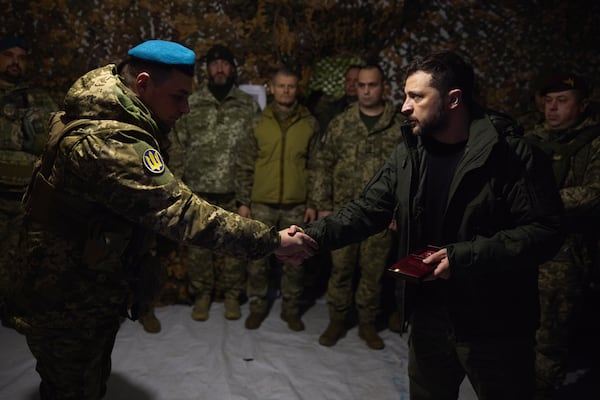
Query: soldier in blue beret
<point x="100" y="194"/>
<point x="165" y="52"/>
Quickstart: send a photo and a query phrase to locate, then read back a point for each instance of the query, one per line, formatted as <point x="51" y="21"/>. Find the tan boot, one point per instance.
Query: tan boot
<point x="150" y="323"/>
<point x="334" y="332"/>
<point x="200" y="308"/>
<point x="232" y="309"/>
<point x="255" y="319"/>
<point x="293" y="321"/>
<point x="368" y="333"/>
<point x="394" y="323"/>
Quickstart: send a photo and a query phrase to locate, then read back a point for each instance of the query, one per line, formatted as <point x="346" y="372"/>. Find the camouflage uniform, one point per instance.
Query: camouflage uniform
<point x="562" y="279"/>
<point x="345" y="164"/>
<point x="211" y="135"/>
<point x="96" y="200"/>
<point x="272" y="175"/>
<point x="24" y="115"/>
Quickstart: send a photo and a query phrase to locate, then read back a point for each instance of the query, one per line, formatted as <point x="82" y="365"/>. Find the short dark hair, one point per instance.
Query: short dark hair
<point x="353" y="66"/>
<point x="285" y="71"/>
<point x="376" y="67"/>
<point x="158" y="72"/>
<point x="448" y="71"/>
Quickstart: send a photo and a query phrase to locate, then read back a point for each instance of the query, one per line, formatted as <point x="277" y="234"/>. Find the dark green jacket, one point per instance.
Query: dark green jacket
<point x="502" y="219"/>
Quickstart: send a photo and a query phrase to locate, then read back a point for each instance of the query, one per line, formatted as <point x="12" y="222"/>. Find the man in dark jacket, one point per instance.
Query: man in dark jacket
<point x="464" y="182"/>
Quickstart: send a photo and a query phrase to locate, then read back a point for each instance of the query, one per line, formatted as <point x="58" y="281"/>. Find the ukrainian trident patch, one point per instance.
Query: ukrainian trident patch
<point x="153" y="162"/>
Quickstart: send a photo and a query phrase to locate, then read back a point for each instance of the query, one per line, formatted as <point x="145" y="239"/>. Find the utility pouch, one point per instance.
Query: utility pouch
<point x="105" y="244"/>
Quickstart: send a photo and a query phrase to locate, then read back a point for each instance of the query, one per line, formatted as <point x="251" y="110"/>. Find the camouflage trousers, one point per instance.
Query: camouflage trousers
<point x="209" y="271"/>
<point x="73" y="364"/>
<point x="561" y="292"/>
<point x="292" y="278"/>
<point x="11" y="218"/>
<point x="370" y="256"/>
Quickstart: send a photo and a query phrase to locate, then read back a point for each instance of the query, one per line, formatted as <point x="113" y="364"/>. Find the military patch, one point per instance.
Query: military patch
<point x="153" y="162"/>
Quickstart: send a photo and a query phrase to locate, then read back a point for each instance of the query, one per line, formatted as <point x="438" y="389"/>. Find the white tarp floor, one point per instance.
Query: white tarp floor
<point x="221" y="360"/>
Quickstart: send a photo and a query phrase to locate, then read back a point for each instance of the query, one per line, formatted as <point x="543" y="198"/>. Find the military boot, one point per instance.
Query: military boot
<point x="150" y="323"/>
<point x="334" y="332"/>
<point x="293" y="321"/>
<point x="368" y="333"/>
<point x="394" y="322"/>
<point x="255" y="319"/>
<point x="232" y="309"/>
<point x="290" y="313"/>
<point x="200" y="308"/>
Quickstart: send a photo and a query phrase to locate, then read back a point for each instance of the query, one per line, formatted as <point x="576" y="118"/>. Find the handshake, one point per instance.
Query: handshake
<point x="295" y="246"/>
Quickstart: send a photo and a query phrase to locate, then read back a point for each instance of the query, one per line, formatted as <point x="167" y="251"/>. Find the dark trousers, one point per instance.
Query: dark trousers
<point x="498" y="367"/>
<point x="73" y="364"/>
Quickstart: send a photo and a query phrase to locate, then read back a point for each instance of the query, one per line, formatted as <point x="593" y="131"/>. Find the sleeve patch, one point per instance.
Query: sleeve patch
<point x="153" y="162"/>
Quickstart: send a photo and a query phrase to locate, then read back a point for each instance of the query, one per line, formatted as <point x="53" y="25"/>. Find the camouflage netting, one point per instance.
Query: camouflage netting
<point x="510" y="42"/>
<point x="328" y="74"/>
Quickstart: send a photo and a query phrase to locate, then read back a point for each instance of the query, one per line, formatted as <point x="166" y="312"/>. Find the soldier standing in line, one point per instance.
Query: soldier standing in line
<point x="96" y="200"/>
<point x="24" y="114"/>
<point x="364" y="135"/>
<point x="327" y="108"/>
<point x="211" y="135"/>
<point x="570" y="134"/>
<point x="273" y="178"/>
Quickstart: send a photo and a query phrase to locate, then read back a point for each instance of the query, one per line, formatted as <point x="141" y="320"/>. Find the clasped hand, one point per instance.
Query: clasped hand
<point x="295" y="245"/>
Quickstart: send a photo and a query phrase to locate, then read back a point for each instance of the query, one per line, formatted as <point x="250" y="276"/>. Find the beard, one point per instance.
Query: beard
<point x="12" y="75"/>
<point x="221" y="80"/>
<point x="433" y="124"/>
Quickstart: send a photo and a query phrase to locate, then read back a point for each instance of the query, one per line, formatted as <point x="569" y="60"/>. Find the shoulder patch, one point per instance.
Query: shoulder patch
<point x="153" y="162"/>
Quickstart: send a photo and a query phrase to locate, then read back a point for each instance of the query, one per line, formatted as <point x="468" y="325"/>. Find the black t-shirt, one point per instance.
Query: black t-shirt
<point x="442" y="160"/>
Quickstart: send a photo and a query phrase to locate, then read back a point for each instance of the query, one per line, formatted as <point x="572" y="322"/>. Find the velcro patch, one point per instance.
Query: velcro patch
<point x="153" y="162"/>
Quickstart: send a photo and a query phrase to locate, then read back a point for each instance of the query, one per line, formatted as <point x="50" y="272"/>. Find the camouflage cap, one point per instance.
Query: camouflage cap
<point x="562" y="81"/>
<point x="8" y="42"/>
<point x="220" y="52"/>
<point x="163" y="52"/>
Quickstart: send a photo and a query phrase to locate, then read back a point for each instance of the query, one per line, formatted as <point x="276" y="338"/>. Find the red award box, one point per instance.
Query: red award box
<point x="412" y="267"/>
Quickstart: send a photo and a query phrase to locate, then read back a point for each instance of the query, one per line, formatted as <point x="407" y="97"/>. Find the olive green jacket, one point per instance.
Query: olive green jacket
<point x="273" y="165"/>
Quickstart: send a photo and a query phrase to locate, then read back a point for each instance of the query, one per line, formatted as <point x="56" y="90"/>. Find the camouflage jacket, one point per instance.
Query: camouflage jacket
<point x="575" y="156"/>
<point x="273" y="165"/>
<point x="351" y="155"/>
<point x="211" y="135"/>
<point x="24" y="116"/>
<point x="100" y="192"/>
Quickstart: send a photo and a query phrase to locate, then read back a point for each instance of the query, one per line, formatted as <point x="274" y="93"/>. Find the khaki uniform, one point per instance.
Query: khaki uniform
<point x="273" y="176"/>
<point x="24" y="115"/>
<point x="211" y="135"/>
<point x="349" y="158"/>
<point x="562" y="279"/>
<point x="100" y="194"/>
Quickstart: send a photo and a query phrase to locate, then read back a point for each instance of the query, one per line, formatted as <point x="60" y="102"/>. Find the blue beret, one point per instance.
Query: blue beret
<point x="163" y="52"/>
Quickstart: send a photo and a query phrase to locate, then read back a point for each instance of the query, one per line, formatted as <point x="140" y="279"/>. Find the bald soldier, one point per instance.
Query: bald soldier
<point x="100" y="193"/>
